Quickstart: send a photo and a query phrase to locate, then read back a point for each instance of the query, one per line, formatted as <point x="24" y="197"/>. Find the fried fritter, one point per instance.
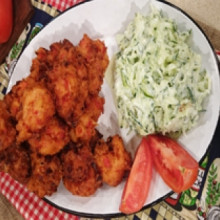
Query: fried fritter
<point x="65" y="85"/>
<point x="85" y="128"/>
<point x="95" y="53"/>
<point x="68" y="80"/>
<point x="51" y="139"/>
<point x="94" y="106"/>
<point x="17" y="162"/>
<point x="37" y="108"/>
<point x="7" y="130"/>
<point x="112" y="160"/>
<point x="13" y="98"/>
<point x="80" y="175"/>
<point x="46" y="174"/>
<point x="45" y="60"/>
<point x="40" y="65"/>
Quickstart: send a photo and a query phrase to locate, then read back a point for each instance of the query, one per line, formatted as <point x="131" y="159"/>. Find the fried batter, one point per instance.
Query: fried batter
<point x="96" y="56"/>
<point x="40" y="65"/>
<point x="51" y="139"/>
<point x="80" y="175"/>
<point x="7" y="130"/>
<point x="85" y="128"/>
<point x="13" y="98"/>
<point x="112" y="160"/>
<point x="17" y="162"/>
<point x="94" y="106"/>
<point x="37" y="108"/>
<point x="45" y="60"/>
<point x="68" y="80"/>
<point x="65" y="85"/>
<point x="46" y="174"/>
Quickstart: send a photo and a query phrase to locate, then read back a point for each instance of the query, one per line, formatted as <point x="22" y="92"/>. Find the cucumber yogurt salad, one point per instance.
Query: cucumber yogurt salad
<point x="159" y="83"/>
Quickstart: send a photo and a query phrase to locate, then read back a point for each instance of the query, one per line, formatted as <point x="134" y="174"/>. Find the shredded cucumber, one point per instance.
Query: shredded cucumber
<point x="159" y="82"/>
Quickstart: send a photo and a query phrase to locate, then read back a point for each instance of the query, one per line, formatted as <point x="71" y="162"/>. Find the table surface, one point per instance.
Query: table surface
<point x="206" y="13"/>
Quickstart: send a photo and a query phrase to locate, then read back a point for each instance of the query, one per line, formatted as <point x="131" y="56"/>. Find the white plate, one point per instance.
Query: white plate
<point x="104" y="19"/>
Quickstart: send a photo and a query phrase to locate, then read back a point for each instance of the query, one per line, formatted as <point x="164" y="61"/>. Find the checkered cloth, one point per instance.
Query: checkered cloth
<point x="62" y="5"/>
<point x="27" y="203"/>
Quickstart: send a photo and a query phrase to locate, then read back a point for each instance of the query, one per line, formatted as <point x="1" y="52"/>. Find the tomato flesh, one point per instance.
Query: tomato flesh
<point x="6" y="20"/>
<point x="175" y="165"/>
<point x="138" y="183"/>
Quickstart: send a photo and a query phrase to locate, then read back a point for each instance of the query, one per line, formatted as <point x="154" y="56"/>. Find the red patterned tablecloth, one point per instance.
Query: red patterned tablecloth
<point x="28" y="204"/>
<point x="62" y="5"/>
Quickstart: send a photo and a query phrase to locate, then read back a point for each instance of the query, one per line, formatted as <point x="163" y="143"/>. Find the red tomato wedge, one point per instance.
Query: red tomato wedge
<point x="6" y="20"/>
<point x="138" y="182"/>
<point x="176" y="166"/>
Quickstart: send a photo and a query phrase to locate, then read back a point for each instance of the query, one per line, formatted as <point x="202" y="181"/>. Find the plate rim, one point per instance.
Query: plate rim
<point x="109" y="215"/>
<point x="119" y="214"/>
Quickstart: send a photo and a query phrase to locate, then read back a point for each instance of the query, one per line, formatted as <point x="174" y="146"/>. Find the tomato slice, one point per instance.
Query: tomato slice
<point x="176" y="166"/>
<point x="138" y="183"/>
<point x="6" y="20"/>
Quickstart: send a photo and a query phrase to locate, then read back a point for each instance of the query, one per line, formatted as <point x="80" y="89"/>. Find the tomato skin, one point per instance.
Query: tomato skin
<point x="175" y="165"/>
<point x="6" y="20"/>
<point x="138" y="183"/>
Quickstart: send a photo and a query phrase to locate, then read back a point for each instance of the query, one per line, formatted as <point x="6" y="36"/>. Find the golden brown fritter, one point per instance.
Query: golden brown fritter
<point x="40" y="65"/>
<point x="51" y="139"/>
<point x="80" y="175"/>
<point x="37" y="108"/>
<point x="112" y="160"/>
<point x="95" y="53"/>
<point x="94" y="106"/>
<point x="13" y="98"/>
<point x="7" y="130"/>
<point x="17" y="162"/>
<point x="46" y="174"/>
<point x="68" y="80"/>
<point x="45" y="60"/>
<point x="85" y="128"/>
<point x="65" y="85"/>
